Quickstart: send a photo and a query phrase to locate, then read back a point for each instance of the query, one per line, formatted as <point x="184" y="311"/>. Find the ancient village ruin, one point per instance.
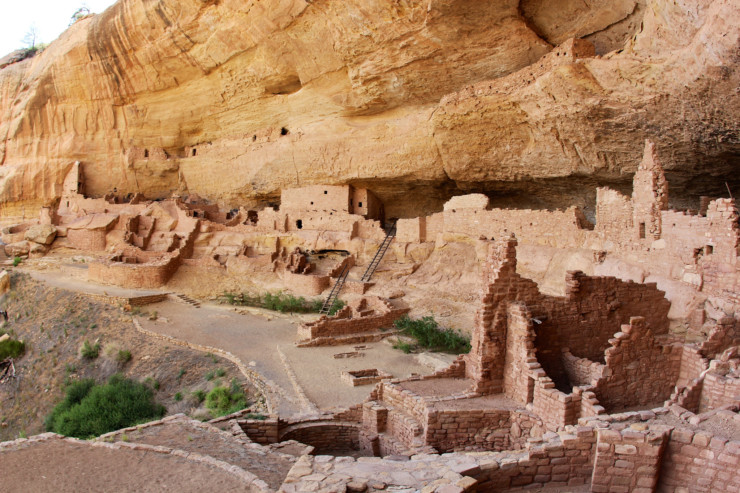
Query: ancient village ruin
<point x="533" y="185"/>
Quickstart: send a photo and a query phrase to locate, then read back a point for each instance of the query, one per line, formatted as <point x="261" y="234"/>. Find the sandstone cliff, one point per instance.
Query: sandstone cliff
<point x="235" y="100"/>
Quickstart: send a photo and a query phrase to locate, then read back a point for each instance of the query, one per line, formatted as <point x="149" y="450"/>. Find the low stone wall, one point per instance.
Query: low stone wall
<point x="326" y="437"/>
<point x="349" y="322"/>
<point x="581" y="371"/>
<point x="131" y="301"/>
<point x="251" y="482"/>
<point x="564" y="459"/>
<point x="262" y="431"/>
<point x="699" y="461"/>
<point x="146" y="276"/>
<point x="479" y="429"/>
<point x="718" y="390"/>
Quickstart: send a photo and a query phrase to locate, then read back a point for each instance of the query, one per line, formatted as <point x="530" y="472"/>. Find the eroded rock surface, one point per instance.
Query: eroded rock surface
<point x="415" y="99"/>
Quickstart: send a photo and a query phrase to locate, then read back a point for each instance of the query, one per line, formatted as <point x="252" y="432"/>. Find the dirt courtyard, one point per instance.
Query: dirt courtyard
<point x="302" y="380"/>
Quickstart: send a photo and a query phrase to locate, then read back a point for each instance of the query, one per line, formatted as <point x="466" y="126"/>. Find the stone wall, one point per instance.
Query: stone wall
<point x="371" y="316"/>
<point x="627" y="461"/>
<point x="479" y="429"/>
<point x="149" y="275"/>
<point x="325" y="437"/>
<point x="500" y="284"/>
<point x="640" y="370"/>
<point x="306" y="284"/>
<point x="316" y="198"/>
<point x="718" y="390"/>
<point x="698" y="461"/>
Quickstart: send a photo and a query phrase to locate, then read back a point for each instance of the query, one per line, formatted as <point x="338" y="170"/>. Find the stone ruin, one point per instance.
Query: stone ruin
<point x="587" y="388"/>
<point x="584" y="390"/>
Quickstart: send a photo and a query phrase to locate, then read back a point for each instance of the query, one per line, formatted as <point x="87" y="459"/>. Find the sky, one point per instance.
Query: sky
<point x="50" y="17"/>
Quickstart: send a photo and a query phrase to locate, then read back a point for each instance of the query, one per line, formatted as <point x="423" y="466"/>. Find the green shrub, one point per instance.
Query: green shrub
<point x="152" y="382"/>
<point x="16" y="261"/>
<point x="403" y="346"/>
<point x="123" y="356"/>
<point x="11" y="348"/>
<point x="220" y="372"/>
<point x="200" y="395"/>
<point x="280" y="302"/>
<point x="90" y="351"/>
<point x="257" y="416"/>
<point x="89" y="410"/>
<point x="178" y="396"/>
<point x="222" y="401"/>
<point x="335" y="307"/>
<point x="428" y="334"/>
<point x="210" y="375"/>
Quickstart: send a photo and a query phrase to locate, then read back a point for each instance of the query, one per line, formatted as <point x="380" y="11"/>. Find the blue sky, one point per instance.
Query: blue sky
<point x="51" y="18"/>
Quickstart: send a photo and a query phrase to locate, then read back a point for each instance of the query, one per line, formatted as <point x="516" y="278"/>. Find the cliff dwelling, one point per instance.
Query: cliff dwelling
<point x="373" y="246"/>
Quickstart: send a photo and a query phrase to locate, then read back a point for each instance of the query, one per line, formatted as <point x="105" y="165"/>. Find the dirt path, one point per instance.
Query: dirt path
<point x="258" y="341"/>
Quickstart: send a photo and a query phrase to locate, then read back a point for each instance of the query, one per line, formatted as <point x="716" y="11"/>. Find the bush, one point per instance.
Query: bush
<point x="403" y="346"/>
<point x="89" y="410"/>
<point x="11" y="348"/>
<point x="90" y="351"/>
<point x="16" y="261"/>
<point x="200" y="395"/>
<point x="123" y="356"/>
<point x="428" y="335"/>
<point x="222" y="401"/>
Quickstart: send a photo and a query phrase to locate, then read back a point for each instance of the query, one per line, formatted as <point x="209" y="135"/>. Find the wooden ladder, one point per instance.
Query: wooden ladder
<point x="379" y="254"/>
<point x="334" y="293"/>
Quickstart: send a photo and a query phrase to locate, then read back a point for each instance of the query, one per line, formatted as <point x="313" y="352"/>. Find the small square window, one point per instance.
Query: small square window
<point x="359" y="204"/>
<point x="325" y="192"/>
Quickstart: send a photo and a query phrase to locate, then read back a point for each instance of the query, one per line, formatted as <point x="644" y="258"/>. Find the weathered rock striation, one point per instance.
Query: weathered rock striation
<point x="236" y="100"/>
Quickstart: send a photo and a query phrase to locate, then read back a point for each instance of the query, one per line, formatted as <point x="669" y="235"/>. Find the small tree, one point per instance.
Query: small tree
<point x="79" y="14"/>
<point x="30" y="39"/>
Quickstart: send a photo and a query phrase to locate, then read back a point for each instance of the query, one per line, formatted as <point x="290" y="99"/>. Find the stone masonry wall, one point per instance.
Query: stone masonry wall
<point x="697" y="461"/>
<point x="520" y="357"/>
<point x="640" y="371"/>
<point x="718" y="390"/>
<point x="479" y="429"/>
<point x="627" y="461"/>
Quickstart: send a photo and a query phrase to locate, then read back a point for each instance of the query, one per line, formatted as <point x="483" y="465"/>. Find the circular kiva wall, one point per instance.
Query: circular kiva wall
<point x="328" y="438"/>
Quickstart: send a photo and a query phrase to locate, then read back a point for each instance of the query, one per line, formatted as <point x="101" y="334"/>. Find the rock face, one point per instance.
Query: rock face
<point x="43" y="234"/>
<point x="414" y="100"/>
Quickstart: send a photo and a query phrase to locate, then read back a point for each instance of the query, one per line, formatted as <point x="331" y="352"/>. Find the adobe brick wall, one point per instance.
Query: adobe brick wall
<point x="649" y="195"/>
<point x="613" y="213"/>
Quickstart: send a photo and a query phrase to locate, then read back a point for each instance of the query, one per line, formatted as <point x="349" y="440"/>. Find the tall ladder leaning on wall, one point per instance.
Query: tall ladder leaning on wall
<point x="334" y="293"/>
